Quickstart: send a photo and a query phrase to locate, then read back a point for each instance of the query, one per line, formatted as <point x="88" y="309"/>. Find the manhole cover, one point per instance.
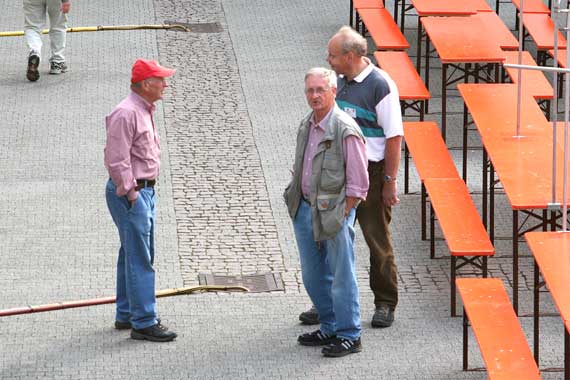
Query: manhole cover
<point x="257" y="283"/>
<point x="202" y="27"/>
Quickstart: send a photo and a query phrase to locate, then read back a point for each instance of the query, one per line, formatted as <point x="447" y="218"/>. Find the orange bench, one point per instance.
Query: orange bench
<point x="382" y="28"/>
<point x="502" y="342"/>
<point x="462" y="227"/>
<point x="411" y="89"/>
<point x="540" y="27"/>
<point x="355" y="5"/>
<point x="423" y="140"/>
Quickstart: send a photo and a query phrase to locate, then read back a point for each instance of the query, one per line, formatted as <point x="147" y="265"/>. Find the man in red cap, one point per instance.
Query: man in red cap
<point x="132" y="158"/>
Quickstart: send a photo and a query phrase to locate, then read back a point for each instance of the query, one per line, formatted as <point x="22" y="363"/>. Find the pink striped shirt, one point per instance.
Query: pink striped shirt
<point x="132" y="150"/>
<point x="354" y="156"/>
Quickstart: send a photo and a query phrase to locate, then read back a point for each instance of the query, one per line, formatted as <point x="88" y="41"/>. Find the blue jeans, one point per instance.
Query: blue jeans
<point x="136" y="300"/>
<point x="329" y="274"/>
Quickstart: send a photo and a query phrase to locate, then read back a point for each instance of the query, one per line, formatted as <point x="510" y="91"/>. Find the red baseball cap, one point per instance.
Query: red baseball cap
<point x="144" y="69"/>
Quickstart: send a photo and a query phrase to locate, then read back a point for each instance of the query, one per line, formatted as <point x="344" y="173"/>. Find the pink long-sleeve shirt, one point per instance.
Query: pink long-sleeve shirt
<point x="354" y="156"/>
<point x="132" y="150"/>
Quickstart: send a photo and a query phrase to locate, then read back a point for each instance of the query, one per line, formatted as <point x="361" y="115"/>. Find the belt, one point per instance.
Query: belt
<point x="142" y="183"/>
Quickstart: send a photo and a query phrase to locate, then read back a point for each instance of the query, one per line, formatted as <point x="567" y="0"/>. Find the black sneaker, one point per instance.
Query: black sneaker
<point x="155" y="333"/>
<point x="342" y="347"/>
<point x="33" y="63"/>
<point x="383" y="316"/>
<point x="316" y="338"/>
<point x="310" y="317"/>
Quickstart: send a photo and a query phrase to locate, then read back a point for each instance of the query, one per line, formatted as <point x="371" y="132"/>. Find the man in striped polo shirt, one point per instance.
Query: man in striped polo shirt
<point x="370" y="96"/>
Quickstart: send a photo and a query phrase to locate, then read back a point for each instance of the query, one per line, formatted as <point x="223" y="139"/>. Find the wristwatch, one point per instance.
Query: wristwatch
<point x="388" y="178"/>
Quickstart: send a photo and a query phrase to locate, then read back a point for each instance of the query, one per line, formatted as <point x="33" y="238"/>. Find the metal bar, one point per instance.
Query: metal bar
<point x="484" y="189"/>
<point x="516" y="261"/>
<point x="465" y="131"/>
<point x="443" y="99"/>
<point x="536" y="68"/>
<point x="424" y="216"/>
<point x="465" y="341"/>
<point x="453" y="299"/>
<point x="492" y="203"/>
<point x="536" y="315"/>
<point x="432" y="233"/>
<point x="108" y="300"/>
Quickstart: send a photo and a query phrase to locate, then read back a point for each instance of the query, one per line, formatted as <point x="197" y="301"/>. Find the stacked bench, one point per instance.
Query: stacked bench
<point x="467" y="241"/>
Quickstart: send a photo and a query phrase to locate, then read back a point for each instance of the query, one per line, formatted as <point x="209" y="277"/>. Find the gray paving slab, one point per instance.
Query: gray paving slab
<point x="227" y="123"/>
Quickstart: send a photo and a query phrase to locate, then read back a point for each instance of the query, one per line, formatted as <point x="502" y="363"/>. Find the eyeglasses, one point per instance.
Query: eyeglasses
<point x="318" y="90"/>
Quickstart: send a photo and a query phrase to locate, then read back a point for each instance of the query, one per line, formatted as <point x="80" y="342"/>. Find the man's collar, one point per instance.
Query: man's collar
<point x="143" y="102"/>
<point x="321" y="124"/>
<point x="364" y="73"/>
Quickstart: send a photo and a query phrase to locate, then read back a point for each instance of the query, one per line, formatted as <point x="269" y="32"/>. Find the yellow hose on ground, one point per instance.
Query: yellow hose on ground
<point x="104" y="28"/>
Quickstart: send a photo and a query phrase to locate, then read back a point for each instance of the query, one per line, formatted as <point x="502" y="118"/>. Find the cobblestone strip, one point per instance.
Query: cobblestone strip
<point x="224" y="219"/>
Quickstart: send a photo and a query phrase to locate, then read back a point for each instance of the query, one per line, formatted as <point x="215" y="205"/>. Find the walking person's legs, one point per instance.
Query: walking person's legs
<point x="57" y="36"/>
<point x="34" y="21"/>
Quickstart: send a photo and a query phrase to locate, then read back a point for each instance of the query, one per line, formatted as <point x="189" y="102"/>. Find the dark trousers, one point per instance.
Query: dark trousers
<point x="374" y="219"/>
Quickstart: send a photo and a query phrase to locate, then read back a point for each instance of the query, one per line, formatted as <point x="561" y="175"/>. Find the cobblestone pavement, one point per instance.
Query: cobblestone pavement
<point x="227" y="123"/>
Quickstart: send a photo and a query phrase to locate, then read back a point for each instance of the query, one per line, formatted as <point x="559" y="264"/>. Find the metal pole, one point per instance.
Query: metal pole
<point x="554" y="106"/>
<point x="519" y="72"/>
<point x="107" y="300"/>
<point x="566" y="118"/>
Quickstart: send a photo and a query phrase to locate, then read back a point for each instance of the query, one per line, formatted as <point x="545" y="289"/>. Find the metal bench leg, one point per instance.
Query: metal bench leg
<point x="453" y="286"/>
<point x="424" y="216"/>
<point x="465" y="341"/>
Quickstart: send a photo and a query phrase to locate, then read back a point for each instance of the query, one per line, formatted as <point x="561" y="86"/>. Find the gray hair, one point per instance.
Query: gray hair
<point x="327" y="74"/>
<point x="352" y="41"/>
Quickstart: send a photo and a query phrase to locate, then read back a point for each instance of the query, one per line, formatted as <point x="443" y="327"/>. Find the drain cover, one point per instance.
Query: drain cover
<point x="203" y="27"/>
<point x="257" y="283"/>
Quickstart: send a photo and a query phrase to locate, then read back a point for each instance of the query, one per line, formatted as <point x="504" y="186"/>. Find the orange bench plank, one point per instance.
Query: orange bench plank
<point x="401" y="69"/>
<point x="429" y="151"/>
<point x="561" y="57"/>
<point x="498" y="332"/>
<point x="367" y="4"/>
<point x="534" y="82"/>
<point x="551" y="250"/>
<point x="452" y="203"/>
<point x="541" y="29"/>
<point x="384" y="31"/>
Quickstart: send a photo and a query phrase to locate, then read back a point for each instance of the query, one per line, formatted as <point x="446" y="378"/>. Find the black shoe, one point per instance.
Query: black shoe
<point x="341" y="347"/>
<point x="310" y="317"/>
<point x="33" y="63"/>
<point x="383" y="316"/>
<point x="123" y="325"/>
<point x="316" y="338"/>
<point x="155" y="333"/>
<point x="127" y="325"/>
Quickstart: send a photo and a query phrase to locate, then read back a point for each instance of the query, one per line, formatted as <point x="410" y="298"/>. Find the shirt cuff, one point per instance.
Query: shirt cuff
<point x="356" y="192"/>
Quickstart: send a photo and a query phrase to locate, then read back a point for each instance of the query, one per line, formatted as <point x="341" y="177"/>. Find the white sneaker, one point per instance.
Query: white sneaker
<point x="57" y="68"/>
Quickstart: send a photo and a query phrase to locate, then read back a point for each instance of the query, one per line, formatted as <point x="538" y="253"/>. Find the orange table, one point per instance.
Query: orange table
<point x="425" y="8"/>
<point x="523" y="165"/>
<point x="461" y="42"/>
<point x="551" y="251"/>
<point x="501" y="32"/>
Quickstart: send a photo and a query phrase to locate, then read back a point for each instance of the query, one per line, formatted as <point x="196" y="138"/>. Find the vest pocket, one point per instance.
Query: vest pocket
<point x="332" y="174"/>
